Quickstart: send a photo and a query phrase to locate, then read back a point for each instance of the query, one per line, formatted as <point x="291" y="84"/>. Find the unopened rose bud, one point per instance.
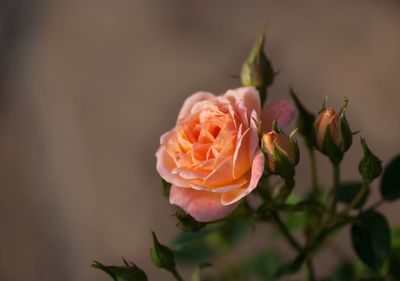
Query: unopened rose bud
<point x="370" y="166"/>
<point x="257" y="70"/>
<point x="328" y="123"/>
<point x="161" y="255"/>
<point x="118" y="273"/>
<point x="332" y="133"/>
<point x="282" y="154"/>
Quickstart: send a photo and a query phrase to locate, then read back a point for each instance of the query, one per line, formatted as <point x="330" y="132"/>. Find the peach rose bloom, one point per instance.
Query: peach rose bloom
<point x="212" y="156"/>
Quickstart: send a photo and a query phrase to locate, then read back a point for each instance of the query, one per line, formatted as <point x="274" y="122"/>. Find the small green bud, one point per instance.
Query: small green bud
<point x="187" y="223"/>
<point x="129" y="272"/>
<point x="161" y="255"/>
<point x="257" y="70"/>
<point x="370" y="166"/>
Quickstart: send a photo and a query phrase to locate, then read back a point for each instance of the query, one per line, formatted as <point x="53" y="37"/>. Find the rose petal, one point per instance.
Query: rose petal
<point x="192" y="100"/>
<point x="257" y="170"/>
<point x="241" y="160"/>
<point x="282" y="108"/>
<point x="222" y="174"/>
<point x="165" y="165"/>
<point x="203" y="206"/>
<point x="246" y="95"/>
<point x="254" y="139"/>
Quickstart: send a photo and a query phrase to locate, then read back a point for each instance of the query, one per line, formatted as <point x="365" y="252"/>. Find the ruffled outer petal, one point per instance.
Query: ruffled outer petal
<point x="202" y="205"/>
<point x="165" y="164"/>
<point x="249" y="96"/>
<point x="192" y="100"/>
<point x="282" y="108"/>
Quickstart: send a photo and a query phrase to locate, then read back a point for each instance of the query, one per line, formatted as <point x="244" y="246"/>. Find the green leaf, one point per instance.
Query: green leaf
<point x="347" y="192"/>
<point x="373" y="279"/>
<point x="394" y="264"/>
<point x="290" y="267"/>
<point x="370" y="235"/>
<point x="129" y="272"/>
<point x="193" y="247"/>
<point x="262" y="266"/>
<point x="204" y="244"/>
<point x="344" y="272"/>
<point x="197" y="272"/>
<point x="390" y="184"/>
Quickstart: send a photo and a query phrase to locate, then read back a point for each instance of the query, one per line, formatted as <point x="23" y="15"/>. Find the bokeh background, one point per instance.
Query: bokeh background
<point x="87" y="88"/>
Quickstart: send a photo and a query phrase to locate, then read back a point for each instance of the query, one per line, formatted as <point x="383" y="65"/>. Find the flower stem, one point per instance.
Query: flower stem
<point x="310" y="270"/>
<point x="176" y="274"/>
<point x="336" y="181"/>
<point x="313" y="168"/>
<point x="286" y="233"/>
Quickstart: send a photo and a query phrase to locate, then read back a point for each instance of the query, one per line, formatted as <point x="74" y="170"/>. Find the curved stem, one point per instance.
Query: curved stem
<point x="310" y="270"/>
<point x="176" y="274"/>
<point x="286" y="233"/>
<point x="313" y="168"/>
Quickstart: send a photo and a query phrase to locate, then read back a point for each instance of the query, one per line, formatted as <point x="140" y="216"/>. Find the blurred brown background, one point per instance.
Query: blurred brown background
<point x="87" y="88"/>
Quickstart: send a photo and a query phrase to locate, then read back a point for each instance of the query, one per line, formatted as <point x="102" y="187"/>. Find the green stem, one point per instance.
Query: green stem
<point x="176" y="274"/>
<point x="360" y="194"/>
<point x="313" y="167"/>
<point x="286" y="233"/>
<point x="336" y="181"/>
<point x="310" y="270"/>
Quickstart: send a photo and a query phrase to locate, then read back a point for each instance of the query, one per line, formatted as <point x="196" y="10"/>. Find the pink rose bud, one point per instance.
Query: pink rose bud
<point x="282" y="153"/>
<point x="332" y="133"/>
<point x="328" y="118"/>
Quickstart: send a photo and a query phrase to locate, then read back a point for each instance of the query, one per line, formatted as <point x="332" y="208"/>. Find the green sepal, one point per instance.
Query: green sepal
<point x="324" y="105"/>
<point x="284" y="191"/>
<point x="165" y="188"/>
<point x="305" y="119"/>
<point x="347" y="135"/>
<point x="275" y="126"/>
<point x="187" y="223"/>
<point x="330" y="148"/>
<point x="295" y="148"/>
<point x="370" y="166"/>
<point x="161" y="255"/>
<point x="257" y="71"/>
<point x="283" y="167"/>
<point x="129" y="272"/>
